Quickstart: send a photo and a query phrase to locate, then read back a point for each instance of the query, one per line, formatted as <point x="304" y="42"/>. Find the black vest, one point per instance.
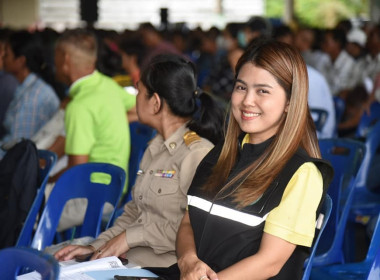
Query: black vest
<point x="221" y="242"/>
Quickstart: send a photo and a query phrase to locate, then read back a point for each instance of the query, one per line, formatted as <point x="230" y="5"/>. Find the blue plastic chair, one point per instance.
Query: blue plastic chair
<point x="374" y="273"/>
<point x="319" y="116"/>
<point x="357" y="270"/>
<point x="340" y="106"/>
<point x="15" y="259"/>
<point x="325" y="211"/>
<point x="367" y="121"/>
<point x="77" y="182"/>
<point x="141" y="134"/>
<point x="49" y="159"/>
<point x="336" y="250"/>
<point x="366" y="203"/>
<point x="346" y="156"/>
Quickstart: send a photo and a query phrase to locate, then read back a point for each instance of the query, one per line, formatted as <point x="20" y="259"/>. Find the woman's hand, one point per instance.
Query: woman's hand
<point x="71" y="251"/>
<point x="117" y="246"/>
<point x="193" y="268"/>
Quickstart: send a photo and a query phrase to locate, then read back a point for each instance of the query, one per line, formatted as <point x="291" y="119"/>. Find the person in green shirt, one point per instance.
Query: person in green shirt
<point x="96" y="121"/>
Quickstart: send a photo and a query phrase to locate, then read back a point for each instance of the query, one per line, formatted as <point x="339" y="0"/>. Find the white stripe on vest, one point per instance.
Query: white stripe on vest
<point x="225" y="212"/>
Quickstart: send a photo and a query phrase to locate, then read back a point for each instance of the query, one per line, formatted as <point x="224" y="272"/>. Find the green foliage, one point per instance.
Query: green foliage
<point x="319" y="13"/>
<point x="275" y="8"/>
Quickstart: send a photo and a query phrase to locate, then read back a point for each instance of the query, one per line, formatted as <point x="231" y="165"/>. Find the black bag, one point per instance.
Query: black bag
<point x="19" y="182"/>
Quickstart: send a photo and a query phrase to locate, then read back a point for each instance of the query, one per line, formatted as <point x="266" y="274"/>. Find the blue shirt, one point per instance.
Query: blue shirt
<point x="34" y="103"/>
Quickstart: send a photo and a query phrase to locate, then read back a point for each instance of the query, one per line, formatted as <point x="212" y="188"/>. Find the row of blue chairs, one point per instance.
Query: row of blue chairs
<point x="352" y="201"/>
<point x="97" y="182"/>
<point x="78" y="183"/>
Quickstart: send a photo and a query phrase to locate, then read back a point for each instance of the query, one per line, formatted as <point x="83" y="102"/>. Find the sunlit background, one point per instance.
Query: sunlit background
<point x="127" y="14"/>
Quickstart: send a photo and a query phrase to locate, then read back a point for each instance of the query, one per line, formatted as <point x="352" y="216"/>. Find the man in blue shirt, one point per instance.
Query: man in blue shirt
<point x="35" y="101"/>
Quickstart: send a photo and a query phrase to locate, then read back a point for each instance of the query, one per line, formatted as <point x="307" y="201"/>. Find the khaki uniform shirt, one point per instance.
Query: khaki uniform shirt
<point x="151" y="219"/>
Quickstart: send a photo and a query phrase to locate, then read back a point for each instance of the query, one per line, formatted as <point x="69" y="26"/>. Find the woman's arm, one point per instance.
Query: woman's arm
<point x="185" y="245"/>
<point x="190" y="266"/>
<point x="266" y="263"/>
<point x="119" y="227"/>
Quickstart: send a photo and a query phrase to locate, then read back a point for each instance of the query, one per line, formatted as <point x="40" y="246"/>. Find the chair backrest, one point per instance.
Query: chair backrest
<point x="335" y="252"/>
<point x="374" y="273"/>
<point x="325" y="211"/>
<point x="141" y="134"/>
<point x="48" y="161"/>
<point x="340" y="106"/>
<point x="374" y="245"/>
<point x="346" y="156"/>
<point x="79" y="182"/>
<point x="319" y="116"/>
<point x="367" y="121"/>
<point x="14" y="259"/>
<point x="372" y="143"/>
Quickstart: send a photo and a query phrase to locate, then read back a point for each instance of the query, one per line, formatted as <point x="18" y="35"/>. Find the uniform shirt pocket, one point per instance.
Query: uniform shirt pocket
<point x="164" y="186"/>
<point x="167" y="200"/>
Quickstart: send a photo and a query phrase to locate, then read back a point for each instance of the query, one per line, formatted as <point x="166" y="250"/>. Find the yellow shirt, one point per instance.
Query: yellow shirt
<point x="294" y="219"/>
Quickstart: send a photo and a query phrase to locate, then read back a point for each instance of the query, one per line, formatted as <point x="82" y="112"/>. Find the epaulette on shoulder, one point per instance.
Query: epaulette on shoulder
<point x="191" y="137"/>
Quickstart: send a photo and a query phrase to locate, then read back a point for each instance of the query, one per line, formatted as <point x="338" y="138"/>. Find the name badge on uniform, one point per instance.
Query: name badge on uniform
<point x="165" y="173"/>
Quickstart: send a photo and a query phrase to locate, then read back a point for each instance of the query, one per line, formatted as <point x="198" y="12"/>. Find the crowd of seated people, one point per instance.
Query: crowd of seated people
<point x="52" y="97"/>
<point x="346" y="55"/>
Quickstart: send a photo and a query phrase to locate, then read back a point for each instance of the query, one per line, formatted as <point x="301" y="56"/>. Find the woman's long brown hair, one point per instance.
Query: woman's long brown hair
<point x="296" y="129"/>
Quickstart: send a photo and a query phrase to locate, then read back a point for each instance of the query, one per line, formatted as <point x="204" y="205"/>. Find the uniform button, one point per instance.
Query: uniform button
<point x="140" y="220"/>
<point x="159" y="190"/>
<point x="140" y="197"/>
<point x="151" y="172"/>
<point x="172" y="145"/>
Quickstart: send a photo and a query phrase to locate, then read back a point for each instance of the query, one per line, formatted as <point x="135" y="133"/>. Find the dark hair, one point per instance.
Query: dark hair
<point x="4" y="34"/>
<point x="174" y="79"/>
<point x="148" y="26"/>
<point x="108" y="61"/>
<point x="357" y="96"/>
<point x="233" y="28"/>
<point x="344" y="25"/>
<point x="339" y="36"/>
<point x="260" y="24"/>
<point x="131" y="44"/>
<point x="281" y="31"/>
<point x="29" y="45"/>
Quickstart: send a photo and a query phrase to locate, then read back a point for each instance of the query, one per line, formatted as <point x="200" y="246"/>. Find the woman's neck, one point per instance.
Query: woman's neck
<point x="170" y="125"/>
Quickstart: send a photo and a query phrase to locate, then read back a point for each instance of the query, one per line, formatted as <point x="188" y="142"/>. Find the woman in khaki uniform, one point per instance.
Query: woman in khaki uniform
<point x="188" y="124"/>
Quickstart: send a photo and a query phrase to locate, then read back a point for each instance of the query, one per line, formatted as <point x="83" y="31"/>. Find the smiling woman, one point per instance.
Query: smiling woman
<point x="265" y="183"/>
<point x="258" y="103"/>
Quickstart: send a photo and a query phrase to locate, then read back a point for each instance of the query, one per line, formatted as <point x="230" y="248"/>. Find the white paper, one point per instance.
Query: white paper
<point x="76" y="276"/>
<point x="76" y="271"/>
<point x="30" y="276"/>
<point x="99" y="264"/>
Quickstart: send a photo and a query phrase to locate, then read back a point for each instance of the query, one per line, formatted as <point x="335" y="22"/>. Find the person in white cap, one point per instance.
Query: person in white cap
<point x="356" y="40"/>
<point x="368" y="67"/>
